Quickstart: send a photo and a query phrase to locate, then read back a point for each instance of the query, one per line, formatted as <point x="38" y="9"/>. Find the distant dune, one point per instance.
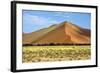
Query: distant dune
<point x="64" y="32"/>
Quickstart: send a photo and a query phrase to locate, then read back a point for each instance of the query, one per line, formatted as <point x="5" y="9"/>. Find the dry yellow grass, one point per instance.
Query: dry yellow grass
<point x="55" y="53"/>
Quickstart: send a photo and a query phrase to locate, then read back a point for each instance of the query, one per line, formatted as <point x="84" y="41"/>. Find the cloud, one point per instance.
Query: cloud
<point x="62" y="14"/>
<point x="38" y="20"/>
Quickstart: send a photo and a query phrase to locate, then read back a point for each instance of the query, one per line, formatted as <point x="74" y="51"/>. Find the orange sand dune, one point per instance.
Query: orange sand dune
<point x="62" y="33"/>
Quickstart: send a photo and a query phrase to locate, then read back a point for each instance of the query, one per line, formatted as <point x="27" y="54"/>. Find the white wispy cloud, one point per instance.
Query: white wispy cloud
<point x="38" y="20"/>
<point x="62" y="14"/>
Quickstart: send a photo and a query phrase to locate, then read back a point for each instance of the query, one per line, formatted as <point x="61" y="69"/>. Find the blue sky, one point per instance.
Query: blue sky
<point x="34" y="20"/>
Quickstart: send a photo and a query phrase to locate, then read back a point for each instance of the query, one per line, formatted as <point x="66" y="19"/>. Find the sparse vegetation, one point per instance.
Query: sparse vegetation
<point x="55" y="53"/>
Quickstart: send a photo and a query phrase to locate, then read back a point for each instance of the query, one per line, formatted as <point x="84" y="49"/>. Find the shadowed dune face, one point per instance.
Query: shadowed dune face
<point x="77" y="34"/>
<point x="63" y="33"/>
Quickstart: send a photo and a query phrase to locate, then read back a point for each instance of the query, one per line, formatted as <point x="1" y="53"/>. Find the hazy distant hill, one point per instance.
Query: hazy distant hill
<point x="64" y="32"/>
